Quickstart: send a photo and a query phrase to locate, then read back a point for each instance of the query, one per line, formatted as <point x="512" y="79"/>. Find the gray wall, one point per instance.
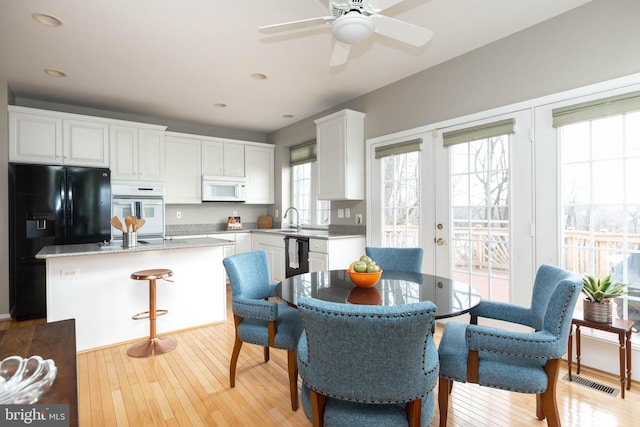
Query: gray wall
<point x="593" y="43"/>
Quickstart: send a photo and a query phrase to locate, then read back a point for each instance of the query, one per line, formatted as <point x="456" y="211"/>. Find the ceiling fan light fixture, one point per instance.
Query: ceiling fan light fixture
<point x="352" y="28"/>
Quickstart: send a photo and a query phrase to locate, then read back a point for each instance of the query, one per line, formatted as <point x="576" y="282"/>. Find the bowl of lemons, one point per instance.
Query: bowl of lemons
<point x="364" y="272"/>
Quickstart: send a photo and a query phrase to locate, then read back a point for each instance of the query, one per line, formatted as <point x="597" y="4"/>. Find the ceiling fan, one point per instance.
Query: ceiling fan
<point x="354" y="21"/>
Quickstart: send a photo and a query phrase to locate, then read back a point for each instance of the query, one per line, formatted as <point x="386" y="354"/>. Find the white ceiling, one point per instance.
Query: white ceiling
<point x="177" y="58"/>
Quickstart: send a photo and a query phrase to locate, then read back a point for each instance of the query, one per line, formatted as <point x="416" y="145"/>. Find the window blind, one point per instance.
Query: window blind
<point x="487" y="130"/>
<point x="398" y="148"/>
<point x="599" y="108"/>
<point x="302" y="153"/>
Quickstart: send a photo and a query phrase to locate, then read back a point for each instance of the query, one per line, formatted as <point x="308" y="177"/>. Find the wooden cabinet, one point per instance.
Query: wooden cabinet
<point x="137" y="153"/>
<point x="222" y="158"/>
<point x="274" y="246"/>
<point x="340" y="147"/>
<point x="259" y="172"/>
<point x="183" y="170"/>
<point x="40" y="136"/>
<point x="334" y="254"/>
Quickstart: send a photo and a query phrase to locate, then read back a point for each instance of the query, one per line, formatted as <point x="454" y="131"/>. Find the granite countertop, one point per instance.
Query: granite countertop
<point x="333" y="232"/>
<point x="116" y="247"/>
<point x="311" y="233"/>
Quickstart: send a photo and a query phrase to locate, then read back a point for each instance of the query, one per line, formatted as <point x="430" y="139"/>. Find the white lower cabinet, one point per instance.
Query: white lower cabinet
<point x="318" y="261"/>
<point x="274" y="246"/>
<point x="334" y="254"/>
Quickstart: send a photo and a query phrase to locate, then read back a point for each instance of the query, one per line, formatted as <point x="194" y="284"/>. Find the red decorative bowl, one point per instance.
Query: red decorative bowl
<point x="364" y="280"/>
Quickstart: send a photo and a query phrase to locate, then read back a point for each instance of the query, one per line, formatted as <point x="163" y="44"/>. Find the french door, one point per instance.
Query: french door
<point x="476" y="205"/>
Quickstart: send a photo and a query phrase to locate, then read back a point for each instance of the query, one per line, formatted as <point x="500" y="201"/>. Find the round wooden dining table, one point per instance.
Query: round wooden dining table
<point x="452" y="298"/>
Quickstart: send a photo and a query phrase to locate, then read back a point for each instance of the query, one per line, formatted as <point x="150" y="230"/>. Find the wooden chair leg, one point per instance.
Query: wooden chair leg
<point x="546" y="403"/>
<point x="414" y="411"/>
<point x="444" y="386"/>
<point x="318" y="403"/>
<point x="234" y="361"/>
<point x="272" y="339"/>
<point x="292" y="362"/>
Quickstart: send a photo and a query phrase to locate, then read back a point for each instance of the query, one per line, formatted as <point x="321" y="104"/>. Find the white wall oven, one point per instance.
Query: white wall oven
<point x="146" y="202"/>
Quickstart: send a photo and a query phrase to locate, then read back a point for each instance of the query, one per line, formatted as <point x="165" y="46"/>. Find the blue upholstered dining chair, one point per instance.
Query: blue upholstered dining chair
<point x="364" y="365"/>
<point x="401" y="259"/>
<point x="524" y="362"/>
<point x="259" y="320"/>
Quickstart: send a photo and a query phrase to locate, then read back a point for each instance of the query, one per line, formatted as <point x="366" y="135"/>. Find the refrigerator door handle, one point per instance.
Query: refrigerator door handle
<point x="63" y="198"/>
<point x="70" y="194"/>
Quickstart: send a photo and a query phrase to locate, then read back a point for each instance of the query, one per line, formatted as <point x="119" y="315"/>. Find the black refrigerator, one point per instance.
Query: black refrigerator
<point x="50" y="205"/>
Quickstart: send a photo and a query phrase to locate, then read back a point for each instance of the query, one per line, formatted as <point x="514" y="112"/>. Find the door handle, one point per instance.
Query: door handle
<point x="440" y="241"/>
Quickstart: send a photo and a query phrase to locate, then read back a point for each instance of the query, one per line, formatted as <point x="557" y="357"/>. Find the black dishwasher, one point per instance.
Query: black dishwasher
<point x="296" y="250"/>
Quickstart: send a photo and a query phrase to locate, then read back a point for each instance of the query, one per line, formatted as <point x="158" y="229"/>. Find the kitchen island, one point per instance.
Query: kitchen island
<point x="91" y="283"/>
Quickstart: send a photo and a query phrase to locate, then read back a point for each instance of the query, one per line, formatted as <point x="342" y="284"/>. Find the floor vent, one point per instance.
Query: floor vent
<point x="611" y="391"/>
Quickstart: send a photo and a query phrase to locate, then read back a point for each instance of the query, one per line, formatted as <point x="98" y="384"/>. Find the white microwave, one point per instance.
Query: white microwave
<point x="223" y="189"/>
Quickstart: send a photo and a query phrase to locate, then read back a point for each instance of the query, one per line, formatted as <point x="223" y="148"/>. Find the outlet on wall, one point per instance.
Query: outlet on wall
<point x="358" y="218"/>
<point x="178" y="215"/>
<point x="70" y="273"/>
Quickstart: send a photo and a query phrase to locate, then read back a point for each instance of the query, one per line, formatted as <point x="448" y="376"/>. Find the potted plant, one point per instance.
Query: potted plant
<point x="597" y="306"/>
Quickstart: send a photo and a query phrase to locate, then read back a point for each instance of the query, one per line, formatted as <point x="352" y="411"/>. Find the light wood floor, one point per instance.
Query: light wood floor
<point x="190" y="387"/>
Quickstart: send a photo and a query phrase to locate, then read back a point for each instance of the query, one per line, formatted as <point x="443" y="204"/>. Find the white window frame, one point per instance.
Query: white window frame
<point x="313" y="196"/>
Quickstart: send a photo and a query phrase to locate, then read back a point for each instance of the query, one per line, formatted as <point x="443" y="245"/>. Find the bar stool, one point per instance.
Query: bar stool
<point x="153" y="345"/>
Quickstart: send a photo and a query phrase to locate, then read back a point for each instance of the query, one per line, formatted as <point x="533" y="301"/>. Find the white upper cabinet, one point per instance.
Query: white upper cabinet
<point x="137" y="153"/>
<point x="40" y="136"/>
<point x="85" y="142"/>
<point x="183" y="172"/>
<point x="340" y="147"/>
<point x="259" y="159"/>
<point x="34" y="137"/>
<point x="222" y="158"/>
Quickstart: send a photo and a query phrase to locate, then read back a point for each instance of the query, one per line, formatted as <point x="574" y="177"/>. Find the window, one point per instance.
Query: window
<point x="304" y="186"/>
<point x="401" y="193"/>
<point x="599" y="201"/>
<point x="400" y="185"/>
<point x="480" y="169"/>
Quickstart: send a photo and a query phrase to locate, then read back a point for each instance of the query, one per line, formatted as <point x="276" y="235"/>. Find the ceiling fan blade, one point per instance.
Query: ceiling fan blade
<point x="294" y="25"/>
<point x="381" y="5"/>
<point x="401" y="31"/>
<point x="340" y="54"/>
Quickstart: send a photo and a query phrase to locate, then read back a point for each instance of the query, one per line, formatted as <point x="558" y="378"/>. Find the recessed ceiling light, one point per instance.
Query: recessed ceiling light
<point x="220" y="105"/>
<point x="55" y="73"/>
<point x="46" y="19"/>
<point x="288" y="116"/>
<point x="258" y="76"/>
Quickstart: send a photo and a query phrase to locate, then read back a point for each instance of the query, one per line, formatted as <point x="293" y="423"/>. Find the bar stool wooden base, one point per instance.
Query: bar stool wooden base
<point x="154" y="345"/>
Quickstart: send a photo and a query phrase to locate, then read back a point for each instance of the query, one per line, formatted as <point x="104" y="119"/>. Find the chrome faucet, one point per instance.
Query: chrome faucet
<point x="297" y="226"/>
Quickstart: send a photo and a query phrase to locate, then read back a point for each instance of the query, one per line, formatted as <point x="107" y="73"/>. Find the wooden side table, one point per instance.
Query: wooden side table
<point x="618" y="326"/>
<point x="57" y="341"/>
